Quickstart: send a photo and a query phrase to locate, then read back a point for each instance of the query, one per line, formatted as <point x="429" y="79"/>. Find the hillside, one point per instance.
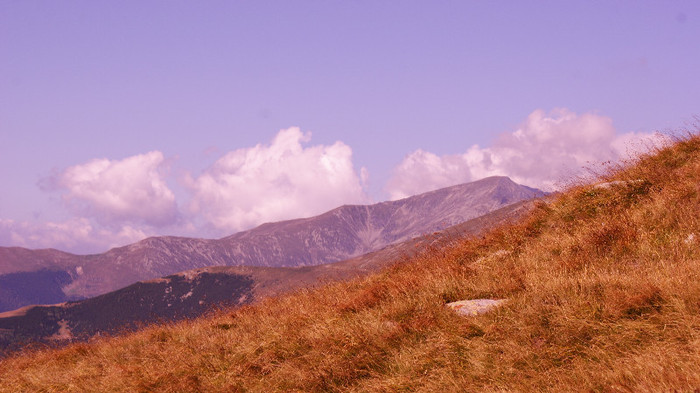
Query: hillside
<point x="51" y="276"/>
<point x="191" y="293"/>
<point x="603" y="295"/>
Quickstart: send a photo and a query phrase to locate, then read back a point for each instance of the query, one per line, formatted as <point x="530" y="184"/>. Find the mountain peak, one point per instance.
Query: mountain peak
<point x="339" y="234"/>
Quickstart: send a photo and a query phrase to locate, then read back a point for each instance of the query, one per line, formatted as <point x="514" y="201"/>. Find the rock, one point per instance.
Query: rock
<point x="610" y="184"/>
<point x="690" y="239"/>
<point x="497" y="254"/>
<point x="475" y="306"/>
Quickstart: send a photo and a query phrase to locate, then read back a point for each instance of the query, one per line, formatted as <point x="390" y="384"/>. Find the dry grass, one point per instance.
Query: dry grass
<point x="604" y="289"/>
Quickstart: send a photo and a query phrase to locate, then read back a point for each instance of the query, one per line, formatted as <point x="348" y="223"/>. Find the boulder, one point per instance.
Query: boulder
<point x="474" y="307"/>
<point x="619" y="183"/>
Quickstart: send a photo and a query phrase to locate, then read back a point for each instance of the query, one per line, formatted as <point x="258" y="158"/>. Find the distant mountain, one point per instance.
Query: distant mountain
<point x="339" y="234"/>
<point x="190" y="294"/>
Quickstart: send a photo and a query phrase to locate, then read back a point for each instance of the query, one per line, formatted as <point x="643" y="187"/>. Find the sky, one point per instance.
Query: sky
<point x="122" y="120"/>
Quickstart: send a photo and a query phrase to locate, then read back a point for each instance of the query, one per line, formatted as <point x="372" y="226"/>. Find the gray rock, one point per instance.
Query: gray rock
<point x="620" y="183"/>
<point x="474" y="307"/>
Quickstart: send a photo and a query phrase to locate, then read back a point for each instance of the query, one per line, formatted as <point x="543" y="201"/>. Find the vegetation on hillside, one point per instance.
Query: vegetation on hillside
<point x="603" y="285"/>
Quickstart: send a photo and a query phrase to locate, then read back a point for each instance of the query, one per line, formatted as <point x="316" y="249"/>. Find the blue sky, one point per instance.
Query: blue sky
<point x="120" y="120"/>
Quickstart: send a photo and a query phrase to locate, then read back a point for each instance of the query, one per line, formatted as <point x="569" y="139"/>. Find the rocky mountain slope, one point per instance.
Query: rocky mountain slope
<point x="191" y="293"/>
<point x="339" y="234"/>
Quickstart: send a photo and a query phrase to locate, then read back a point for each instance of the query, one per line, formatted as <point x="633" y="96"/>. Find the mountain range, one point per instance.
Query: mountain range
<point x="192" y="293"/>
<point x="51" y="276"/>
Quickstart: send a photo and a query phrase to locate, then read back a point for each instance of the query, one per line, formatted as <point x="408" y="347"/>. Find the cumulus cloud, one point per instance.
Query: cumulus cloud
<point x="76" y="235"/>
<point x="282" y="180"/>
<point x="545" y="149"/>
<point x="116" y="202"/>
<point x="114" y="192"/>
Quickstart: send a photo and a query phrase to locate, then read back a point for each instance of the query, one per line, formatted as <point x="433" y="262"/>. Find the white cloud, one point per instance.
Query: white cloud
<point x="116" y="202"/>
<point x="76" y="235"/>
<point x="115" y="192"/>
<point x="282" y="180"/>
<point x="545" y="149"/>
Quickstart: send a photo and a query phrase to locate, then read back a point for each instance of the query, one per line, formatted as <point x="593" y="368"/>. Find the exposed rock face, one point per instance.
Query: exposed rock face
<point x="339" y="234"/>
<point x="355" y="230"/>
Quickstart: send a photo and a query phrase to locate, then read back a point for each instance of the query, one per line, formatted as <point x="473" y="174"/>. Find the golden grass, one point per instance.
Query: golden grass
<point x="604" y="289"/>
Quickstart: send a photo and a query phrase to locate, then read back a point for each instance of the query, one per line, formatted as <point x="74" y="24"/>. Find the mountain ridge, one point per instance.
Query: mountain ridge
<point x="192" y="293"/>
<point x="333" y="236"/>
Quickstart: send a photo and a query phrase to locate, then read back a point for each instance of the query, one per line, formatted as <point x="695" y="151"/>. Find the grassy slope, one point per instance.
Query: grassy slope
<point x="605" y="296"/>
